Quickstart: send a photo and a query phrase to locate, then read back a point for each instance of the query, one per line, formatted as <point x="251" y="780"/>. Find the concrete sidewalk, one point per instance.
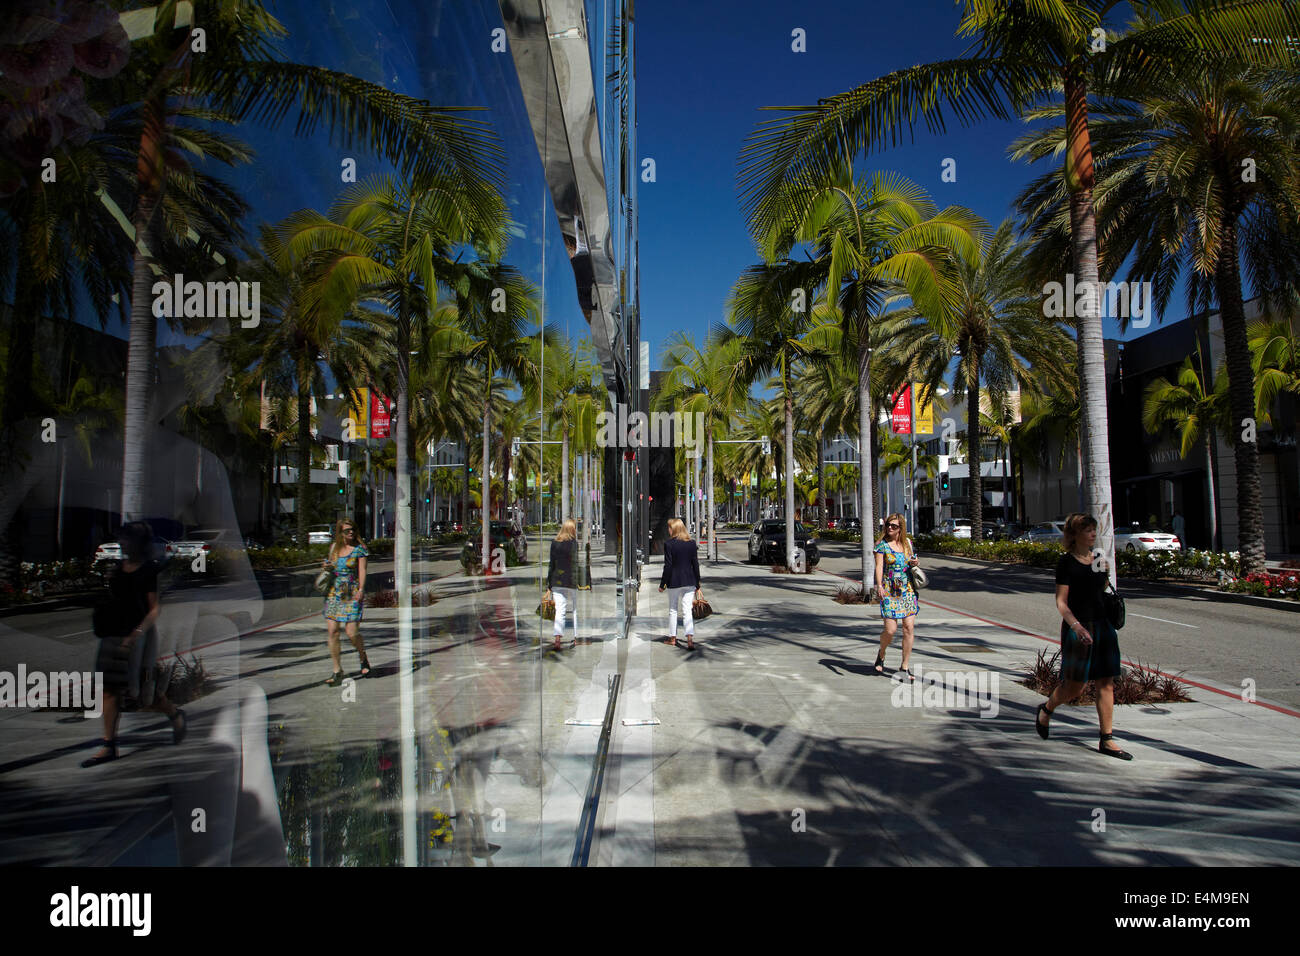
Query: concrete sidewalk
<point x="778" y="745"/>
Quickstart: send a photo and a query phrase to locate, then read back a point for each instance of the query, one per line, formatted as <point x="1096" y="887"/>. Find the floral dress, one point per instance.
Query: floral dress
<point x="339" y="605"/>
<point x="898" y="599"/>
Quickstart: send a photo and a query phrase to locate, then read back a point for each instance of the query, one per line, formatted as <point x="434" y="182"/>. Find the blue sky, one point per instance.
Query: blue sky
<point x="704" y="72"/>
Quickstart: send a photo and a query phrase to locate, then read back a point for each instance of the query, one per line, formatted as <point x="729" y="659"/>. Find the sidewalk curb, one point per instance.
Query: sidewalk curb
<point x="1213" y="594"/>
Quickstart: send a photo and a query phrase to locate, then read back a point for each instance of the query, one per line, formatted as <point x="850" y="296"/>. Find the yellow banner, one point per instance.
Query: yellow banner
<point x="358" y="422"/>
<point x="924" y="415"/>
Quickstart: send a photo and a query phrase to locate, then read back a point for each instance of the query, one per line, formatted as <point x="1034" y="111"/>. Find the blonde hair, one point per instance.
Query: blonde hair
<point x="568" y="531"/>
<point x="1075" y="525"/>
<point x="676" y="529"/>
<point x="903" y="539"/>
<point x="341" y="542"/>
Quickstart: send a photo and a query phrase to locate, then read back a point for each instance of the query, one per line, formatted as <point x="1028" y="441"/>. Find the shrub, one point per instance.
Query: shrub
<point x="190" y="680"/>
<point x="1136" y="685"/>
<point x="850" y="595"/>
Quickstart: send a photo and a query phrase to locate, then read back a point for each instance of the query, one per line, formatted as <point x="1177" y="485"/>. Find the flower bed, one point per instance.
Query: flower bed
<point x="1286" y="586"/>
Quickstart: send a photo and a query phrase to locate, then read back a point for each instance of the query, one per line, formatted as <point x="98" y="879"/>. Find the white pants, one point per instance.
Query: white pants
<point x="565" y="598"/>
<point x="681" y="598"/>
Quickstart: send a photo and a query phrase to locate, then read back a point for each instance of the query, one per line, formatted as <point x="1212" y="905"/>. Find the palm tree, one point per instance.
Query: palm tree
<point x="1195" y="412"/>
<point x="700" y="383"/>
<point x="240" y="76"/>
<point x="1022" y="50"/>
<point x="1200" y="175"/>
<point x="998" y="339"/>
<point x="1275" y="347"/>
<point x="1053" y="419"/>
<point x="766" y="315"/>
<point x="879" y="241"/>
<point x="570" y="401"/>
<point x="486" y="326"/>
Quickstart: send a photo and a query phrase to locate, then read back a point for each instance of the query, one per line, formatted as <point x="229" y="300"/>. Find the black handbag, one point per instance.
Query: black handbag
<point x="1114" y="606"/>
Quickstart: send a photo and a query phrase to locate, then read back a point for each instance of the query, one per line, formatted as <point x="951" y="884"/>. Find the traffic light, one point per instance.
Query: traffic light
<point x="943" y="479"/>
<point x="343" y="489"/>
<point x="426" y="499"/>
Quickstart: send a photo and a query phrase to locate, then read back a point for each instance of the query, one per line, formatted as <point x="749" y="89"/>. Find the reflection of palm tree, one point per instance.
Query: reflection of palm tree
<point x="92" y="410"/>
<point x="240" y="75"/>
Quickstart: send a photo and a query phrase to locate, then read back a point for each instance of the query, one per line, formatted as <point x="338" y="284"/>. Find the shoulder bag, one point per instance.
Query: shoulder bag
<point x="1114" y="606"/>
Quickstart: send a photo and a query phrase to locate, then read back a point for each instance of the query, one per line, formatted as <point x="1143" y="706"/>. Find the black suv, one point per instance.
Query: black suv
<point x="767" y="542"/>
<point x="499" y="533"/>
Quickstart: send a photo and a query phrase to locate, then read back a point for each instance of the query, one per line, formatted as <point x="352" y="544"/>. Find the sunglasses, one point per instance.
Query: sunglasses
<point x="895" y="525"/>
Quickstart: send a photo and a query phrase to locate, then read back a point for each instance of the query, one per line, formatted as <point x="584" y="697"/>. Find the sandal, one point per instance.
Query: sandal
<point x="95" y="761"/>
<point x="911" y="678"/>
<point x="879" y="666"/>
<point x="335" y="679"/>
<point x="180" y="726"/>
<point x="690" y="642"/>
<point x="1038" y="724"/>
<point x="365" y="664"/>
<point x="1112" y="751"/>
<point x="670" y="641"/>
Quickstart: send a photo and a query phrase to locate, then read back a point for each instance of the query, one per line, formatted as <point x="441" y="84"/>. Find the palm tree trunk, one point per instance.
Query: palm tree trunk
<point x="713" y="545"/>
<point x="485" y="489"/>
<point x="304" y="454"/>
<point x="402" y="434"/>
<point x="1094" y="424"/>
<point x="866" y="471"/>
<point x="975" y="483"/>
<point x="142" y="357"/>
<point x="789" y="479"/>
<point x="564" y="473"/>
<point x="821" y="479"/>
<point x="1241" y="396"/>
<point x="63" y="474"/>
<point x="1209" y="477"/>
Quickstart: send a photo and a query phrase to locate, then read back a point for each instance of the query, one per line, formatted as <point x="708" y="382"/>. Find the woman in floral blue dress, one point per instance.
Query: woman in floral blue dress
<point x="898" y="601"/>
<point x="347" y="559"/>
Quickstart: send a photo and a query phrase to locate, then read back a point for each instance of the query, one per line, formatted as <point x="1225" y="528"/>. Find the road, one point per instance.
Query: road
<point x="1191" y="635"/>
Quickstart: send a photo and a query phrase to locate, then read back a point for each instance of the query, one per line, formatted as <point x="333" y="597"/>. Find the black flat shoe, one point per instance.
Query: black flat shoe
<point x="911" y="678"/>
<point x="365" y="665"/>
<point x="1109" y="752"/>
<point x="95" y="761"/>
<point x="180" y="726"/>
<point x="1038" y="724"/>
<point x="335" y="679"/>
<point x="879" y="666"/>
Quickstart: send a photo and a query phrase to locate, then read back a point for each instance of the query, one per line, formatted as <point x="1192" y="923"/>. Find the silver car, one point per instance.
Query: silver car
<point x="1045" y="532"/>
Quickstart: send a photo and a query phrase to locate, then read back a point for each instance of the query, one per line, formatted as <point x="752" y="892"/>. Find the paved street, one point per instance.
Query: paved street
<point x="774" y="742"/>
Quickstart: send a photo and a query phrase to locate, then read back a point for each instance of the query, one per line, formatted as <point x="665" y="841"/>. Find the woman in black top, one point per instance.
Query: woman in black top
<point x="128" y="642"/>
<point x="1089" y="644"/>
<point x="561" y="585"/>
<point x="681" y="576"/>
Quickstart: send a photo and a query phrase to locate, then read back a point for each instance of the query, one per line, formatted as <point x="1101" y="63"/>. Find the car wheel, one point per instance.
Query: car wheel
<point x="1129" y="547"/>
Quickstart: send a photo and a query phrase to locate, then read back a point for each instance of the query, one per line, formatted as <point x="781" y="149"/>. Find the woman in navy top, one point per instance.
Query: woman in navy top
<point x="681" y="577"/>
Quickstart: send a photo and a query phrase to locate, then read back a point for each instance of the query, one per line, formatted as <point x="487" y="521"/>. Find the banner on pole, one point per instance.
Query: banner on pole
<point x="924" y="417"/>
<point x="902" y="417"/>
<point x="381" y="418"/>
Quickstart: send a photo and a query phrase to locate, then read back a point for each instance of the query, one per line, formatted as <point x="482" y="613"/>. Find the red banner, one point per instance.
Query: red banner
<point x="380" y="417"/>
<point x="902" y="423"/>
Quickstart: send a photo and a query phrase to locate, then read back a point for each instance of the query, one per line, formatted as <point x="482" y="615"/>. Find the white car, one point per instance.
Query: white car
<point x="204" y="540"/>
<point x="163" y="550"/>
<point x="1138" y="538"/>
<point x="956" y="528"/>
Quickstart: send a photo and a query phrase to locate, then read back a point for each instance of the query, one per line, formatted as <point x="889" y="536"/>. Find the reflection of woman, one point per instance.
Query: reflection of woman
<point x="129" y="642"/>
<point x="898" y="601"/>
<point x="347" y="557"/>
<point x="681" y="578"/>
<point x="560" y="584"/>
<point x="1089" y="644"/>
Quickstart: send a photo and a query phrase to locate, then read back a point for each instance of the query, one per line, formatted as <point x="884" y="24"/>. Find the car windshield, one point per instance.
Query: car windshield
<point x="778" y="527"/>
<point x="204" y="535"/>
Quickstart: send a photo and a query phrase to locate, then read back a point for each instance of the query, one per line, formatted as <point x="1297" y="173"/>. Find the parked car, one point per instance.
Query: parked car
<point x="111" y="551"/>
<point x="767" y="542"/>
<point x="499" y="532"/>
<point x="1143" y="538"/>
<point x="850" y="524"/>
<point x="830" y="524"/>
<point x="955" y="527"/>
<point x="1046" y="532"/>
<point x="205" y="539"/>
